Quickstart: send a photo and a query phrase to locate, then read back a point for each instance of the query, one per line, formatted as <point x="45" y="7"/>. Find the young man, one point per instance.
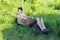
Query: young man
<point x="29" y="21"/>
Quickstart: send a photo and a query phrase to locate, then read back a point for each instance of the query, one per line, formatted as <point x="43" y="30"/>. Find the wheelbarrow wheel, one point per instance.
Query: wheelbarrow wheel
<point x="16" y="21"/>
<point x="36" y="28"/>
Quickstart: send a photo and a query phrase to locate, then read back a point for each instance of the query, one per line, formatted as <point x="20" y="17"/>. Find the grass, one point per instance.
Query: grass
<point x="48" y="9"/>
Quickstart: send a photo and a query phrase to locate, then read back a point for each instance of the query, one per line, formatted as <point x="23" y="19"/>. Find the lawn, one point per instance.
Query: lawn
<point x="48" y="9"/>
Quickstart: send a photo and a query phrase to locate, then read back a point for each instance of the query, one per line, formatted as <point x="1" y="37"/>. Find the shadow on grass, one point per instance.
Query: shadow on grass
<point x="18" y="32"/>
<point x="25" y="33"/>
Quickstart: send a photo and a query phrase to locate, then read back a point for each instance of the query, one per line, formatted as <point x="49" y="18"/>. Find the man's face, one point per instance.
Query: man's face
<point x="20" y="10"/>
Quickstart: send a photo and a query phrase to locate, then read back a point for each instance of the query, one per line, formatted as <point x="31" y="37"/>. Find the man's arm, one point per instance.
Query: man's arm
<point x="27" y="16"/>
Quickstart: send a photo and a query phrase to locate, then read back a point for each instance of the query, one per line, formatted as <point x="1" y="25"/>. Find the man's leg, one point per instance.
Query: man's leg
<point x="41" y="25"/>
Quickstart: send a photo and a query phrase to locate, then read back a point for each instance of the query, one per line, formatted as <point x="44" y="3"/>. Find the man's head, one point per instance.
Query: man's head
<point x="20" y="9"/>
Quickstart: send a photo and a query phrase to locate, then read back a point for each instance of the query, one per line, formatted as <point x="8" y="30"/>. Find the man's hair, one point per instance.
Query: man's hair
<point x="20" y="8"/>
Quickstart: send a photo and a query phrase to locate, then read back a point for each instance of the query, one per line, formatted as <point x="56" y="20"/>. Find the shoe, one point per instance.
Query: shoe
<point x="45" y="31"/>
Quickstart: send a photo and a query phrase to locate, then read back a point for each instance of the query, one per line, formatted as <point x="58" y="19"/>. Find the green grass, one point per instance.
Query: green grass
<point x="48" y="9"/>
